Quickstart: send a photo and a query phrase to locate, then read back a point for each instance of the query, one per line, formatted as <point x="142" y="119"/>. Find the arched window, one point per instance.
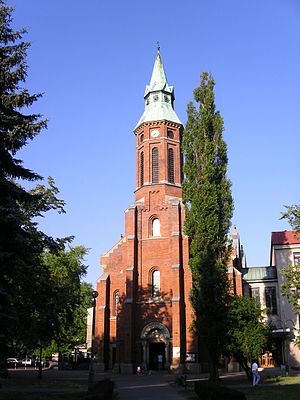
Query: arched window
<point x="142" y="168"/>
<point x="116" y="299"/>
<point x="155" y="283"/>
<point x="155" y="165"/>
<point x="171" y="165"/>
<point x="155" y="227"/>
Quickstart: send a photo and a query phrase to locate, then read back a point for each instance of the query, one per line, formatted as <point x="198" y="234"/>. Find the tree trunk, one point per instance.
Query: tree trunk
<point x="213" y="371"/>
<point x="244" y="364"/>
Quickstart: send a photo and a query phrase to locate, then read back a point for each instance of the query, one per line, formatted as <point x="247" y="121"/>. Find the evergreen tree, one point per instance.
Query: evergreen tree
<point x="21" y="243"/>
<point x="209" y="205"/>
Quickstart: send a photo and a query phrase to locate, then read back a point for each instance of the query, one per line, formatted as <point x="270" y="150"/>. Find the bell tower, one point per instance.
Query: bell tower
<point x="158" y="138"/>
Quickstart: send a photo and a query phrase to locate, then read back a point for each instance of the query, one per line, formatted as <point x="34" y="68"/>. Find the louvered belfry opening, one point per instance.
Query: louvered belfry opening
<point x="142" y="168"/>
<point x="171" y="165"/>
<point x="155" y="165"/>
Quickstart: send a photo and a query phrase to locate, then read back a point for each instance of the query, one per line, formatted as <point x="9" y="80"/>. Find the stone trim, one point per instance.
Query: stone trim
<point x="155" y="325"/>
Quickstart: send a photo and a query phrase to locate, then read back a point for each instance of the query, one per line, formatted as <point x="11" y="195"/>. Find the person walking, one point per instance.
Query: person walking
<point x="160" y="360"/>
<point x="255" y="374"/>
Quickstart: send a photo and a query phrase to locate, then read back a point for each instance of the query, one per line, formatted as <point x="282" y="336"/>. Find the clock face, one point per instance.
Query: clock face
<point x="154" y="133"/>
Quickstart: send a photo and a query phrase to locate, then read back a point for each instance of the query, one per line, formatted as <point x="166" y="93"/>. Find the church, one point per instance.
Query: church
<point x="143" y="313"/>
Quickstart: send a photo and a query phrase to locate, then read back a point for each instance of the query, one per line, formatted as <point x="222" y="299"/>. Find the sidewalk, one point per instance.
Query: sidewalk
<point x="146" y="387"/>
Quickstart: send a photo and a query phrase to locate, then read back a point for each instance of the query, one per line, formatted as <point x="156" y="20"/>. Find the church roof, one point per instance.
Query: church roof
<point x="159" y="97"/>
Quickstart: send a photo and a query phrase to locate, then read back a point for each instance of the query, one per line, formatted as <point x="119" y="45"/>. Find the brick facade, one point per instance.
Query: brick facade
<point x="143" y="307"/>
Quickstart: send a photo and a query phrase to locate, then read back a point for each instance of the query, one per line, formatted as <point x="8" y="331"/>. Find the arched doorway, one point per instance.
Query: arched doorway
<point x="155" y="339"/>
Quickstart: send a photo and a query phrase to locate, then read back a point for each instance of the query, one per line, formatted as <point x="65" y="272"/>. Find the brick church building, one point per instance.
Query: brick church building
<point x="143" y="310"/>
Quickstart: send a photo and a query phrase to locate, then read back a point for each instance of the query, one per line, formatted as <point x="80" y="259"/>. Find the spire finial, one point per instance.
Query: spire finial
<point x="158" y="46"/>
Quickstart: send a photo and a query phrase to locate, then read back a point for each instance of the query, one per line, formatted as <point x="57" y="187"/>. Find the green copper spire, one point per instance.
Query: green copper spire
<point x="159" y="96"/>
<point x="158" y="78"/>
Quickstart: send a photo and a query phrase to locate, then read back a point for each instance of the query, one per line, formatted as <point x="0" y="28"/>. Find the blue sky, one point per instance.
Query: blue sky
<point x="92" y="60"/>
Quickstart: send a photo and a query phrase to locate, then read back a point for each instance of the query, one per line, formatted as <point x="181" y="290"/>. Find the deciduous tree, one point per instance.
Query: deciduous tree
<point x="291" y="285"/>
<point x="247" y="335"/>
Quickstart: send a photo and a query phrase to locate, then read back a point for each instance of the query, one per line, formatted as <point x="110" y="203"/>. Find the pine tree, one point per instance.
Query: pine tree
<point x="209" y="206"/>
<point x="20" y="242"/>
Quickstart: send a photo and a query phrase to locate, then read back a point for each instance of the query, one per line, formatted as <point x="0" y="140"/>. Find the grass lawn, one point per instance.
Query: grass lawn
<point x="47" y="388"/>
<point x="274" y="392"/>
<point x="277" y="388"/>
<point x="31" y="388"/>
<point x="42" y="396"/>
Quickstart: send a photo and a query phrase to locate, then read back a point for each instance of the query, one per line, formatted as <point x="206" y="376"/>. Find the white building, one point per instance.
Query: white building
<point x="264" y="284"/>
<point x="285" y="250"/>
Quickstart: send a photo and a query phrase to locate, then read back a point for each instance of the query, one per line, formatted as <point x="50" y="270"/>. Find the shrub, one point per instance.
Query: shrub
<point x="101" y="390"/>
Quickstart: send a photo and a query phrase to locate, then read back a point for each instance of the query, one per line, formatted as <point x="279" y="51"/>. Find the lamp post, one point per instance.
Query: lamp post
<point x="91" y="367"/>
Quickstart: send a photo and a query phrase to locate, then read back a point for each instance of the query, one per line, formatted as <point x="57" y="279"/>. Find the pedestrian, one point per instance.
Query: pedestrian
<point x="160" y="359"/>
<point x="138" y="370"/>
<point x="255" y="374"/>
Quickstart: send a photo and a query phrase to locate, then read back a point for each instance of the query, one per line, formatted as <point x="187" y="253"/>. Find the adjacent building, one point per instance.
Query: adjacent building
<point x="264" y="284"/>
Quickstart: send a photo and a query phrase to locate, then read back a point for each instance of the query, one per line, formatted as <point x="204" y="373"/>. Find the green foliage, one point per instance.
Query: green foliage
<point x="291" y="273"/>
<point x="209" y="205"/>
<point x="60" y="302"/>
<point x="40" y="290"/>
<point x="292" y="214"/>
<point x="291" y="286"/>
<point x="247" y="334"/>
<point x="19" y="247"/>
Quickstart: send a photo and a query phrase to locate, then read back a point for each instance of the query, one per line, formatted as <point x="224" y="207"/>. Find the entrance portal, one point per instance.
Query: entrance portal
<point x="156" y="350"/>
<point x="155" y="338"/>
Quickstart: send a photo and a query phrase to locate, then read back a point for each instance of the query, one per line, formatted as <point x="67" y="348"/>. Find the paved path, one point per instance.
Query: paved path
<point x="148" y="387"/>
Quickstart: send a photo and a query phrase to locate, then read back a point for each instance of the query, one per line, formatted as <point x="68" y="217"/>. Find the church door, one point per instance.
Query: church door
<point x="156" y="350"/>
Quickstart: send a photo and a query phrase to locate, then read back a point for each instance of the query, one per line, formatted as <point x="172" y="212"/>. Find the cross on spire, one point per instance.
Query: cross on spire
<point x="158" y="46"/>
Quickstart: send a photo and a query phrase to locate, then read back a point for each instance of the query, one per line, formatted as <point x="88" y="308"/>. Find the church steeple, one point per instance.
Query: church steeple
<point x="159" y="96"/>
<point x="158" y="139"/>
<point x="158" y="79"/>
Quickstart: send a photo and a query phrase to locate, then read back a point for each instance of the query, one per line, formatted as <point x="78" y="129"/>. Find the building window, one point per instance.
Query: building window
<point x="116" y="299"/>
<point x="155" y="283"/>
<point x="170" y="134"/>
<point x="155" y="227"/>
<point x="296" y="258"/>
<point x="155" y="165"/>
<point x="254" y="293"/>
<point x="171" y="165"/>
<point x="142" y="168"/>
<point x="271" y="302"/>
<point x="141" y="138"/>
